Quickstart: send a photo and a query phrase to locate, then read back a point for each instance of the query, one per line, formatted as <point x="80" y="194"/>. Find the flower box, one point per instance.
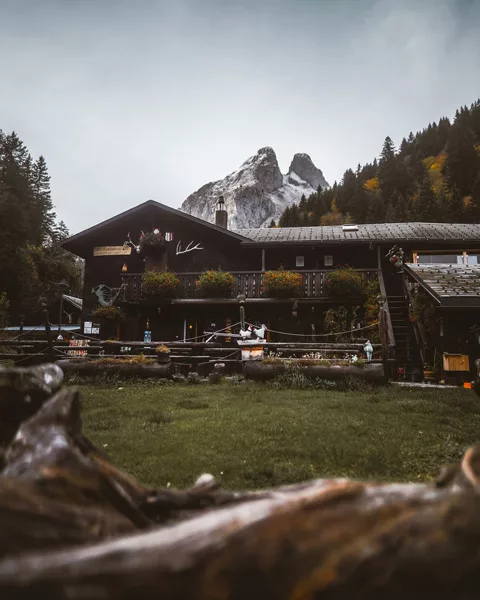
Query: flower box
<point x="282" y="284"/>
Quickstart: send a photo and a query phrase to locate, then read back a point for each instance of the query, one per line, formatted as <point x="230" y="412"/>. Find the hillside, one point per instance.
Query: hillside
<point x="433" y="176"/>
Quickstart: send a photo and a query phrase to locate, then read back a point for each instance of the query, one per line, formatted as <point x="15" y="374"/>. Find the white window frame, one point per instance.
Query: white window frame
<point x="328" y="260"/>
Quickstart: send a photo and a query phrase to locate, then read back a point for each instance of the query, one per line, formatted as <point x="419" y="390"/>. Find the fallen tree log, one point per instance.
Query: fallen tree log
<point x="22" y="393"/>
<point x="332" y="539"/>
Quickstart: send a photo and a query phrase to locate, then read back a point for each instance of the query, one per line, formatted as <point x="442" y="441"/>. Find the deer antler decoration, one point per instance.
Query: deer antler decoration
<point x="189" y="248"/>
<point x="131" y="244"/>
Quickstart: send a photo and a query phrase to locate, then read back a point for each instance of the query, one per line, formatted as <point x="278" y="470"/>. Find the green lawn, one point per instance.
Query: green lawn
<point x="253" y="436"/>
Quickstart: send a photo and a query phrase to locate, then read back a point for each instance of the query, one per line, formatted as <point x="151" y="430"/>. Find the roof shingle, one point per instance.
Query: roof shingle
<point x="451" y="285"/>
<point x="377" y="232"/>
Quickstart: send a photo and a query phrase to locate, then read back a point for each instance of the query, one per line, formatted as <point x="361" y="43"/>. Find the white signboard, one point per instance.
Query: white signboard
<point x="112" y="251"/>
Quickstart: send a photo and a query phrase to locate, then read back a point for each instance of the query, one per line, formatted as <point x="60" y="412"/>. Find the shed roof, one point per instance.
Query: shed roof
<point x="75" y="302"/>
<point x="452" y="286"/>
<point x="372" y="232"/>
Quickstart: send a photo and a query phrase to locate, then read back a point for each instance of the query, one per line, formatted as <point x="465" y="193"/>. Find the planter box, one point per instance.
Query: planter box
<point x="163" y="359"/>
<point x="86" y="367"/>
<point x="456" y="362"/>
<point x="259" y="371"/>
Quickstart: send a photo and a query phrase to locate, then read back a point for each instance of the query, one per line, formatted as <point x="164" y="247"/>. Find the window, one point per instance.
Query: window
<point x="328" y="260"/>
<point x="451" y="259"/>
<point x="299" y="261"/>
<point x="458" y="258"/>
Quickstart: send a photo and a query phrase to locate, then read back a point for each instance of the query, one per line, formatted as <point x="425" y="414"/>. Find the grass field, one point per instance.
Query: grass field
<point x="253" y="436"/>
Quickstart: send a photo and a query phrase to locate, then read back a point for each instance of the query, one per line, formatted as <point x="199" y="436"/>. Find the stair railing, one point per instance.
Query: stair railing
<point x="387" y="336"/>
<point x="418" y="329"/>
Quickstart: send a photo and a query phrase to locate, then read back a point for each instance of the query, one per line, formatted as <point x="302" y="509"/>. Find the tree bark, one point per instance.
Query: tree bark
<point x="109" y="537"/>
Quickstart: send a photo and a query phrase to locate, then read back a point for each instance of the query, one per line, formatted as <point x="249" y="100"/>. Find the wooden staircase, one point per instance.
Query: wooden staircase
<point x="407" y="353"/>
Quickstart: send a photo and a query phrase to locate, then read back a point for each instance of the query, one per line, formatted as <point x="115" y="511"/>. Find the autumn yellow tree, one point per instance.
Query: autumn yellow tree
<point x="334" y="216"/>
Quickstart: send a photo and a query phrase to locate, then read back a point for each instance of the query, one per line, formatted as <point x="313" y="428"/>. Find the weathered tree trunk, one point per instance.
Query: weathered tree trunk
<point x="326" y="539"/>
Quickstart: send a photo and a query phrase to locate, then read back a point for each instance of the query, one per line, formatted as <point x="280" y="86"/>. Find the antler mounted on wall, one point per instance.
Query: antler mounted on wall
<point x="189" y="248"/>
<point x="130" y="243"/>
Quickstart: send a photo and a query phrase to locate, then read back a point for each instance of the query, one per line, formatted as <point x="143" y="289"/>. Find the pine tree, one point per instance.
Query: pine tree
<point x="387" y="168"/>
<point x="425" y="204"/>
<point x="463" y="161"/>
<point x="30" y="255"/>
<point x="396" y="182"/>
<point x="272" y="224"/>
<point x="388" y="150"/>
<point x="285" y="220"/>
<point x="398" y="203"/>
<point x="43" y="214"/>
<point x="454" y="206"/>
<point x="375" y="210"/>
<point x="390" y="213"/>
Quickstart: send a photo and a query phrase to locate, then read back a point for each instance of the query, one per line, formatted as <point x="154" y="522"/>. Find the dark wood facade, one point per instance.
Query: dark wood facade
<point x="247" y="256"/>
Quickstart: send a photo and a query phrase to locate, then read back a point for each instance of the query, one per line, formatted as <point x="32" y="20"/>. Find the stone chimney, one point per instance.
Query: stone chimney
<point x="221" y="215"/>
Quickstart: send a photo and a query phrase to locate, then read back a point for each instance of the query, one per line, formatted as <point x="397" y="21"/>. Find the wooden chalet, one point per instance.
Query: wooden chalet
<point x="114" y="269"/>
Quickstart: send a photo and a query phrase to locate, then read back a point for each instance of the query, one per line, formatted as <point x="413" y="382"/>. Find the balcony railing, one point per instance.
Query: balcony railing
<point x="248" y="283"/>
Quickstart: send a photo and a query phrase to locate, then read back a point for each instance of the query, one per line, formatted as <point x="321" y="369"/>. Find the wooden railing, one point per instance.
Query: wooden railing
<point x="248" y="283"/>
<point x="418" y="328"/>
<point x="386" y="326"/>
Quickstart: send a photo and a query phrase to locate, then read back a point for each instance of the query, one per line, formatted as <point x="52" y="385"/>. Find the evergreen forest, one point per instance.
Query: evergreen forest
<point x="433" y="176"/>
<point x="33" y="265"/>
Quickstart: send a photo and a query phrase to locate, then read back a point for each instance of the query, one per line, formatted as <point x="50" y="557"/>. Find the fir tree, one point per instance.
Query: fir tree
<point x="397" y="201"/>
<point x="30" y="255"/>
<point x="453" y="206"/>
<point x="43" y="208"/>
<point x="425" y="204"/>
<point x="463" y="162"/>
<point x="390" y="213"/>
<point x="396" y="182"/>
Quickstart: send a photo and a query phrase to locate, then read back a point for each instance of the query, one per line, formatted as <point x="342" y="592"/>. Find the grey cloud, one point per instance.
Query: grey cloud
<point x="152" y="99"/>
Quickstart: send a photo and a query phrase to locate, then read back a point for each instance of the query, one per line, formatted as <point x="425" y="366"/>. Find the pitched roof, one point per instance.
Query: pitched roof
<point x="374" y="232"/>
<point x="71" y="242"/>
<point x="454" y="286"/>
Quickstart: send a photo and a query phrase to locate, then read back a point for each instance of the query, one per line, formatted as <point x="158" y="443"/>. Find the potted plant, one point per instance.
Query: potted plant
<point x="344" y="282"/>
<point x="429" y="373"/>
<point x="282" y="284"/>
<point x="163" y="354"/>
<point x="215" y="284"/>
<point x="160" y="285"/>
<point x="110" y="318"/>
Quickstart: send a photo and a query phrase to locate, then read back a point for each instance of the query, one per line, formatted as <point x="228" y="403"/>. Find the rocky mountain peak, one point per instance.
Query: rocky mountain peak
<point x="303" y="166"/>
<point x="257" y="192"/>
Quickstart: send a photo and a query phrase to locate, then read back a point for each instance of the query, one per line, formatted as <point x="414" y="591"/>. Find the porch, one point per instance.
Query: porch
<point x="248" y="283"/>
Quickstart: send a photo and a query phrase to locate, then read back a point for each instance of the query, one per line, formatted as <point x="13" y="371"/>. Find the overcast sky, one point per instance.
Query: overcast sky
<point x="131" y="100"/>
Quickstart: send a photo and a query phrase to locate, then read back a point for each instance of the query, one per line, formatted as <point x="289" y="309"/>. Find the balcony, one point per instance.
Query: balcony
<point x="248" y="283"/>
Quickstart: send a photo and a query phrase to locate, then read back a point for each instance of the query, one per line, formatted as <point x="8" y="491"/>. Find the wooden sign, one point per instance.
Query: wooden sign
<point x="111" y="250"/>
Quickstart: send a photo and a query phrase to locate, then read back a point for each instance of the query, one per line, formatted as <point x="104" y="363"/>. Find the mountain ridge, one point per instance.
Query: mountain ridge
<point x="257" y="192"/>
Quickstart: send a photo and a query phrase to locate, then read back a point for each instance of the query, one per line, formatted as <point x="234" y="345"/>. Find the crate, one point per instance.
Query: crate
<point x="456" y="362"/>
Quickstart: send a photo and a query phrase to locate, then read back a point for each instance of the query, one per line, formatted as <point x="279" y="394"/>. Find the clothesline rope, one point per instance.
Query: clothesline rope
<point x="322" y="334"/>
